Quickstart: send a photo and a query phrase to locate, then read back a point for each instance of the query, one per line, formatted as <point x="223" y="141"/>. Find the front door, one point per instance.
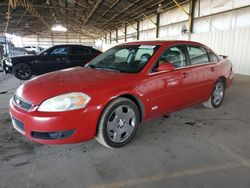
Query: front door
<point x="165" y="89"/>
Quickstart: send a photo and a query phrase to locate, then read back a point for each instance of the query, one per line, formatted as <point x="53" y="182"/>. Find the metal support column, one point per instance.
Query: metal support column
<point x="191" y="16"/>
<point x="116" y="35"/>
<point x="105" y="38"/>
<point x="110" y="37"/>
<point x="125" y="33"/>
<point x="138" y="31"/>
<point x="157" y="25"/>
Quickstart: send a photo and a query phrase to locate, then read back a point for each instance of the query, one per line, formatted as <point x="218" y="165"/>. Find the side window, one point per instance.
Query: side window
<point x="79" y="50"/>
<point x="198" y="55"/>
<point x="213" y="57"/>
<point x="175" y="56"/>
<point x="59" y="51"/>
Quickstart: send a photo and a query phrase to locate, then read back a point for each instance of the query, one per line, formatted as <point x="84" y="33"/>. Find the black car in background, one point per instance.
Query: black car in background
<point x="55" y="58"/>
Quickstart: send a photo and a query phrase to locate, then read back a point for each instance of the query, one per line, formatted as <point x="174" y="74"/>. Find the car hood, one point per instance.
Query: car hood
<point x="26" y="57"/>
<point x="77" y="79"/>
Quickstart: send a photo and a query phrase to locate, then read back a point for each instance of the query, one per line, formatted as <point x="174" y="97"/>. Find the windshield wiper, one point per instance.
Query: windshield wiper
<point x="107" y="69"/>
<point x="90" y="66"/>
<point x="100" y="68"/>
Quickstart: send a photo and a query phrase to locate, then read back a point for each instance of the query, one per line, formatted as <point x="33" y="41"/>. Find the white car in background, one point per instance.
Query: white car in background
<point x="33" y="49"/>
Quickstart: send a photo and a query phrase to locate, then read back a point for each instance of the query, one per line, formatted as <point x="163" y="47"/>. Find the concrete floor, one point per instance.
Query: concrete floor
<point x="193" y="148"/>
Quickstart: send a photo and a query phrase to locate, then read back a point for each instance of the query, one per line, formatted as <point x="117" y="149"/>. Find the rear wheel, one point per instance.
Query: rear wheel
<point x="118" y="123"/>
<point x="217" y="96"/>
<point x="22" y="71"/>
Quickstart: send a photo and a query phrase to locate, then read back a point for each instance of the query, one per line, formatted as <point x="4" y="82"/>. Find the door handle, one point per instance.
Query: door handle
<point x="60" y="59"/>
<point x="185" y="74"/>
<point x="213" y="69"/>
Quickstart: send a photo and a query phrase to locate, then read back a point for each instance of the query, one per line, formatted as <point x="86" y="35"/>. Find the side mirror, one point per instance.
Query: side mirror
<point x="165" y="66"/>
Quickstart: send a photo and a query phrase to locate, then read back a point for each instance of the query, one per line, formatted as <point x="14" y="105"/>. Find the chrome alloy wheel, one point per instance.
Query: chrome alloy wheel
<point x="218" y="93"/>
<point x="121" y="123"/>
<point x="22" y="71"/>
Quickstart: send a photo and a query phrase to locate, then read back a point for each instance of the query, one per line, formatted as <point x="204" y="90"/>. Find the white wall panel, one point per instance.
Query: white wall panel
<point x="223" y="21"/>
<point x="240" y="3"/>
<point x="202" y="25"/>
<point x="242" y="19"/>
<point x="171" y="30"/>
<point x="174" y="15"/>
<point x="148" y="24"/>
<point x="148" y="34"/>
<point x="131" y="29"/>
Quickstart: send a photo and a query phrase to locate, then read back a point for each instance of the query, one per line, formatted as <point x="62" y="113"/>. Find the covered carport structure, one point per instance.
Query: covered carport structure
<point x="194" y="147"/>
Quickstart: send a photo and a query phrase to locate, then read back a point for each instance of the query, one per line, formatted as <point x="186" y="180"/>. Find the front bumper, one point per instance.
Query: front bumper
<point x="55" y="128"/>
<point x="6" y="68"/>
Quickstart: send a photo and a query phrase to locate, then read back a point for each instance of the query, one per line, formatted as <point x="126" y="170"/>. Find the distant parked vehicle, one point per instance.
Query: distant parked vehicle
<point x="17" y="52"/>
<point x="55" y="58"/>
<point x="33" y="49"/>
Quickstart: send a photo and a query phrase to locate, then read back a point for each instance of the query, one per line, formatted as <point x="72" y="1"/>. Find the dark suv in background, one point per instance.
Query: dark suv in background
<point x="55" y="58"/>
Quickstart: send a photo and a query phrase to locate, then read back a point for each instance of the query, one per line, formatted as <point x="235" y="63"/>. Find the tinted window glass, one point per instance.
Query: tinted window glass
<point x="213" y="57"/>
<point x="79" y="50"/>
<point x="59" y="51"/>
<point x="198" y="55"/>
<point x="174" y="55"/>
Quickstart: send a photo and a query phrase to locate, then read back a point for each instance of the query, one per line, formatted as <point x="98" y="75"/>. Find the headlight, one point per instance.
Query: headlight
<point x="65" y="102"/>
<point x="8" y="62"/>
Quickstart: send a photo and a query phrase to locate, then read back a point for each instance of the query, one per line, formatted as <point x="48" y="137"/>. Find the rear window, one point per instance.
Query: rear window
<point x="213" y="57"/>
<point x="198" y="55"/>
<point x="79" y="50"/>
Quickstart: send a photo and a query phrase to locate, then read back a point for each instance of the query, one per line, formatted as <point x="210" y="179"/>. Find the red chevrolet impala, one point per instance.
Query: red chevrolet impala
<point x="119" y="89"/>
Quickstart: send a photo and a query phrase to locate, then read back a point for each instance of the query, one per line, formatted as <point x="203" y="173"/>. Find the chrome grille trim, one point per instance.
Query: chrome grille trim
<point x="21" y="103"/>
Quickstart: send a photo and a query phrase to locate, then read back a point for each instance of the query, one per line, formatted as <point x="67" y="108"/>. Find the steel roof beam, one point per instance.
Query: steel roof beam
<point x="111" y="7"/>
<point x="98" y="3"/>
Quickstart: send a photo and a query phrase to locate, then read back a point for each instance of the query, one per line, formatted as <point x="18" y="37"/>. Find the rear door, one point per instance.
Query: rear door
<point x="79" y="55"/>
<point x="202" y="74"/>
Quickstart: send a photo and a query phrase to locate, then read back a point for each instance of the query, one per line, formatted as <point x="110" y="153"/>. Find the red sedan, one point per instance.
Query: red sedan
<point x="119" y="89"/>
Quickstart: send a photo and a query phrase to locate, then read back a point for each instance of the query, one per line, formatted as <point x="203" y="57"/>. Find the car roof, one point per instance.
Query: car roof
<point x="163" y="42"/>
<point x="72" y="45"/>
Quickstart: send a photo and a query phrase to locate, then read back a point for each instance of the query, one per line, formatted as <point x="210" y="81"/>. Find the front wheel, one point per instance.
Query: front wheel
<point x="118" y="123"/>
<point x="217" y="95"/>
<point x="22" y="71"/>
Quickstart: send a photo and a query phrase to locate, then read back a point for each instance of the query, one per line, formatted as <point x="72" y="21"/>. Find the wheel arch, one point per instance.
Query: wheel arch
<point x="224" y="79"/>
<point x="138" y="103"/>
<point x="131" y="97"/>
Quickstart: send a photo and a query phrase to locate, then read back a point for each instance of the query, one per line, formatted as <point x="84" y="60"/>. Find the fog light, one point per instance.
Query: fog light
<point x="52" y="135"/>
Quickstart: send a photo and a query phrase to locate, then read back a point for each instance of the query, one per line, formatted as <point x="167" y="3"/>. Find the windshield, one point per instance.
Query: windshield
<point x="45" y="50"/>
<point x="128" y="59"/>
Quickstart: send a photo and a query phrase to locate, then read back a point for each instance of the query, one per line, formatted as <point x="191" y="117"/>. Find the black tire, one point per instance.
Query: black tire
<point x="22" y="71"/>
<point x="110" y="115"/>
<point x="212" y="102"/>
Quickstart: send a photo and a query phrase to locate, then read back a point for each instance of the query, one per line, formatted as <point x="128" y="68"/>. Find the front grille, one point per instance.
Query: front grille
<point x="22" y="104"/>
<point x="18" y="125"/>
